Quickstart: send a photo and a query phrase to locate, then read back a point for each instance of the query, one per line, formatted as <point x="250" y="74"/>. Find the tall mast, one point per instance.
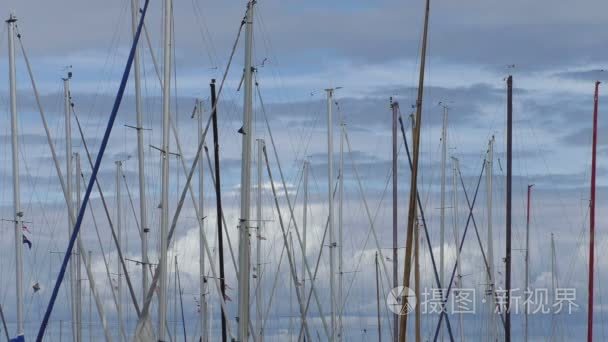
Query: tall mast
<point x="203" y="312"/>
<point x="490" y="241"/>
<point x="395" y="110"/>
<point x="418" y="314"/>
<point x="592" y="217"/>
<point x="527" y="271"/>
<point x="414" y="178"/>
<point x="164" y="221"/>
<point x="442" y="205"/>
<point x="78" y="261"/>
<point x="18" y="214"/>
<point x="118" y="224"/>
<point x="456" y="167"/>
<point x="330" y="228"/>
<point x="340" y="304"/>
<point x="244" y="220"/>
<point x="258" y="251"/>
<point x="378" y="299"/>
<point x="143" y="214"/>
<point x="90" y="254"/>
<point x="218" y="198"/>
<point x="69" y="183"/>
<point x="553" y="276"/>
<point x="304" y="223"/>
<point x="508" y="211"/>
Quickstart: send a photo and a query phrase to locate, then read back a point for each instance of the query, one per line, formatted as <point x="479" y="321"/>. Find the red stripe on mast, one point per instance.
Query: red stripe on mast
<point x="592" y="218"/>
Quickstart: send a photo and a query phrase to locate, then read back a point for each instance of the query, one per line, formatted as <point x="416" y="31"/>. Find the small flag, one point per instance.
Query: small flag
<point x="26" y="229"/>
<point x="27" y="242"/>
<point x="36" y="287"/>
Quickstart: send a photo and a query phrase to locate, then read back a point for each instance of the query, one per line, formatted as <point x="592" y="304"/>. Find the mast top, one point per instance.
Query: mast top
<point x="11" y="18"/>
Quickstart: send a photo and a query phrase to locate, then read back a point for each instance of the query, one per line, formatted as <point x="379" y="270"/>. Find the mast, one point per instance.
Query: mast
<point x="304" y="223"/>
<point x="244" y="220"/>
<point x="340" y="304"/>
<point x="78" y="261"/>
<point x="490" y="242"/>
<point x="164" y="222"/>
<point x="218" y="198"/>
<point x="330" y="171"/>
<point x="418" y="313"/>
<point x="456" y="167"/>
<point x="69" y="182"/>
<point x="508" y="211"/>
<point x="18" y="214"/>
<point x="527" y="271"/>
<point x="143" y="215"/>
<point x="118" y="224"/>
<point x="395" y="110"/>
<point x="258" y="293"/>
<point x="442" y="205"/>
<point x="592" y="217"/>
<point x="414" y="179"/>
<point x="378" y="299"/>
<point x="203" y="312"/>
<point x="553" y="276"/>
<point x="90" y="300"/>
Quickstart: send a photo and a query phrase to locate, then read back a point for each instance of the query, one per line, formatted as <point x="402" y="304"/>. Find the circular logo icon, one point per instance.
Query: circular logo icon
<point x="401" y="300"/>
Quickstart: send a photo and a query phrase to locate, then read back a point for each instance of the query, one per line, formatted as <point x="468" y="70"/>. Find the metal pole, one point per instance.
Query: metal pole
<point x="18" y="214"/>
<point x="244" y="220"/>
<point x="90" y="300"/>
<point x="592" y="217"/>
<point x="143" y="214"/>
<point x="258" y="294"/>
<point x="442" y="205"/>
<point x="414" y="179"/>
<point x="330" y="172"/>
<point x="527" y="272"/>
<point x="78" y="259"/>
<point x="164" y="226"/>
<point x="201" y="210"/>
<point x="304" y="223"/>
<point x="218" y="198"/>
<point x="508" y="211"/>
<point x="490" y="242"/>
<point x="395" y="110"/>
<point x="119" y="233"/>
<point x="457" y="234"/>
<point x="340" y="304"/>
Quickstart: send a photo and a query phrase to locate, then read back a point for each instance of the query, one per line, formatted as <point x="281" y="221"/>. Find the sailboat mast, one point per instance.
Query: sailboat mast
<point x="16" y="190"/>
<point x="330" y="206"/>
<point x="395" y="110"/>
<point x="340" y="304"/>
<point x="414" y="179"/>
<point x="118" y="224"/>
<point x="244" y="222"/>
<point x="527" y="271"/>
<point x="203" y="311"/>
<point x="164" y="222"/>
<point x="508" y="209"/>
<point x="78" y="259"/>
<point x="455" y="168"/>
<point x="143" y="214"/>
<point x="442" y="208"/>
<point x="490" y="242"/>
<point x="304" y="223"/>
<point x="592" y="217"/>
<point x="218" y="199"/>
<point x="258" y="251"/>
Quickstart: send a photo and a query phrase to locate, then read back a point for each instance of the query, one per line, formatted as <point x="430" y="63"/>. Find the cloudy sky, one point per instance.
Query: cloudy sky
<point x="371" y="49"/>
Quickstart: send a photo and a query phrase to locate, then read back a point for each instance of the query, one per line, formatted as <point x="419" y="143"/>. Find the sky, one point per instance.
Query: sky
<point x="371" y="49"/>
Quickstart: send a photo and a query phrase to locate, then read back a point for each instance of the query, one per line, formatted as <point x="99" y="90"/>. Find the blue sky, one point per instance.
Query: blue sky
<point x="372" y="50"/>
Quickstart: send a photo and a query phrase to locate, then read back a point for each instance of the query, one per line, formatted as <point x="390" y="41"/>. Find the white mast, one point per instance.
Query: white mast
<point x="258" y="294"/>
<point x="527" y="270"/>
<point x="553" y="277"/>
<point x="330" y="181"/>
<point x="457" y="234"/>
<point x="164" y="221"/>
<point x="143" y="214"/>
<point x="491" y="301"/>
<point x="247" y="132"/>
<point x="340" y="226"/>
<point x="16" y="191"/>
<point x="69" y="182"/>
<point x="78" y="261"/>
<point x="304" y="223"/>
<point x="118" y="224"/>
<point x="201" y="212"/>
<point x="442" y="208"/>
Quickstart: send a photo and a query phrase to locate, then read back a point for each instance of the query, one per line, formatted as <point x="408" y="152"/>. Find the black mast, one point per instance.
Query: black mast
<point x="218" y="196"/>
<point x="508" y="214"/>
